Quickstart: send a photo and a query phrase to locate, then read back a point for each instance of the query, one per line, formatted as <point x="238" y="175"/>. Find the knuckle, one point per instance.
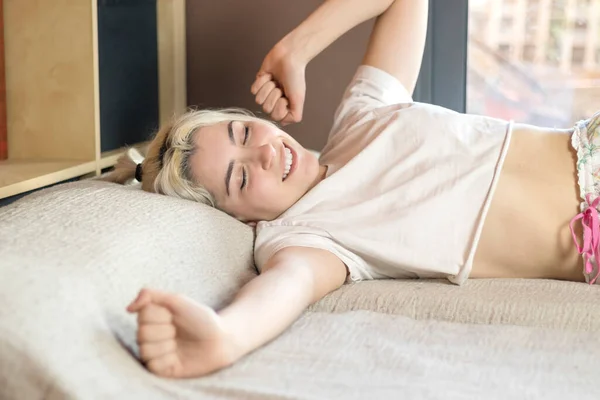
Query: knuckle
<point x="154" y="314"/>
<point x="141" y="334"/>
<point x="143" y="315"/>
<point x="269" y="102"/>
<point x="153" y="332"/>
<point x="177" y="300"/>
<point x="270" y="88"/>
<point x="280" y="112"/>
<point x="161" y="367"/>
<point x="145" y="352"/>
<point x="154" y="366"/>
<point x="261" y="97"/>
<point x="170" y="332"/>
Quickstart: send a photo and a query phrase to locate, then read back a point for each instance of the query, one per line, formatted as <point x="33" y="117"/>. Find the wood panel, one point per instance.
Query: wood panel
<point x="50" y="79"/>
<point x="171" y="57"/>
<point x="3" y="133"/>
<point x="52" y="82"/>
<point x="23" y="176"/>
<point x="96" y="82"/>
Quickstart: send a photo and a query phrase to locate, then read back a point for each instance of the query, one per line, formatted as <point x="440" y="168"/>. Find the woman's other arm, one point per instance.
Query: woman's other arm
<point x="180" y="338"/>
<point x="398" y="41"/>
<point x="292" y="279"/>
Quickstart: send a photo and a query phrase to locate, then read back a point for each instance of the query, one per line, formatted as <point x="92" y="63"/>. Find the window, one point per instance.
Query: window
<point x="547" y="75"/>
<point x="554" y="41"/>
<point x="581" y="24"/>
<point x="504" y="50"/>
<point x="559" y="3"/>
<point x="528" y="53"/>
<point x="507" y="22"/>
<point x="577" y="55"/>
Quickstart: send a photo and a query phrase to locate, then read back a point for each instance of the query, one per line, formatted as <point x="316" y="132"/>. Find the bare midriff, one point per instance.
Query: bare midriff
<point x="526" y="233"/>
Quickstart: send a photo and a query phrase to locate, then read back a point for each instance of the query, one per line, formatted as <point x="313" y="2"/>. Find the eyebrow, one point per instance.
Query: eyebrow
<point x="230" y="167"/>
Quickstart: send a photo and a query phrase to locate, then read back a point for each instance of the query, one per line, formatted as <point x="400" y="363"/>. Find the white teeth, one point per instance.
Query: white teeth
<point x="288" y="162"/>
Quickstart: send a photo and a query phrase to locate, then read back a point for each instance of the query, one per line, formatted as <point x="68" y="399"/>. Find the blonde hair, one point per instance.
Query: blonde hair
<point x="166" y="168"/>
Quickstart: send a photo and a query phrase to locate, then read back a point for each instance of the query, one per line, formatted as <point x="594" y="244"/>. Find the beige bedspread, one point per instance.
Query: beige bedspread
<point x="70" y="261"/>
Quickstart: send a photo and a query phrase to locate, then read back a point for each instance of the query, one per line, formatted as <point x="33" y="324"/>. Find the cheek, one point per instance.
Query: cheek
<point x="265" y="189"/>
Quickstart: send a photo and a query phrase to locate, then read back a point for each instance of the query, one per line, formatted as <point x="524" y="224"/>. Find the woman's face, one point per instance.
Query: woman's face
<point x="246" y="167"/>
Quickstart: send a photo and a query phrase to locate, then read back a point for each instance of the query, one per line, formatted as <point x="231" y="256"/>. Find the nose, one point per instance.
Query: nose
<point x="264" y="155"/>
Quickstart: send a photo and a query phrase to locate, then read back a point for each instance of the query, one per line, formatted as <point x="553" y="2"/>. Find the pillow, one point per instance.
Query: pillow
<point x="74" y="255"/>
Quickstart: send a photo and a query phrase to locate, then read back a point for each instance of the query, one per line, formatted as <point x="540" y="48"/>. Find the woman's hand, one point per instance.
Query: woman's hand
<point x="280" y="85"/>
<point x="179" y="338"/>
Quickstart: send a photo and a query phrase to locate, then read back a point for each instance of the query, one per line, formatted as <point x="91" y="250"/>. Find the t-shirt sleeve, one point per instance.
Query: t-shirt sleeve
<point x="271" y="239"/>
<point x="369" y="89"/>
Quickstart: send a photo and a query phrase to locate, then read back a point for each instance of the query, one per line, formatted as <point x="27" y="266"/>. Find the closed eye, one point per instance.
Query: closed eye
<point x="246" y="134"/>
<point x="244" y="179"/>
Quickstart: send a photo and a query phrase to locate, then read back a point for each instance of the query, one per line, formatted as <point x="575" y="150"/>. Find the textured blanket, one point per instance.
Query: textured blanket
<point x="72" y="257"/>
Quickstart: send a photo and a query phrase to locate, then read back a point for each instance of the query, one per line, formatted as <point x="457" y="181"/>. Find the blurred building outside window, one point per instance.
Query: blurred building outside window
<point x="534" y="61"/>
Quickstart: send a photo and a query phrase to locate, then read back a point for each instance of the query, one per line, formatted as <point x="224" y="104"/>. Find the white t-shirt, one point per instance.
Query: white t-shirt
<point x="407" y="188"/>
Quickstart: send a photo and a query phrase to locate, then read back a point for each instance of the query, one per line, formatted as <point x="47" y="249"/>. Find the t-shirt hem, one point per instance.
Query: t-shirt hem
<point x="465" y="271"/>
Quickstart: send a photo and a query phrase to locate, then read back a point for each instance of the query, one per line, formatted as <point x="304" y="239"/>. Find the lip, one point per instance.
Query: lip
<point x="294" y="160"/>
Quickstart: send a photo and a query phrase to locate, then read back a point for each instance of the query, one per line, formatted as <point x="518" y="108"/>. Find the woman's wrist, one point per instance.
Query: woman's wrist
<point x="233" y="337"/>
<point x="304" y="43"/>
<point x="294" y="48"/>
<point x="326" y="24"/>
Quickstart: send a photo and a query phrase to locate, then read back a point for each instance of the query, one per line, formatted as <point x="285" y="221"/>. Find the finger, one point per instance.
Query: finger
<point x="146" y="296"/>
<point x="288" y="119"/>
<point x="151" y="350"/>
<point x="155" y="333"/>
<point x="296" y="105"/>
<point x="280" y="110"/>
<point x="166" y="365"/>
<point x="264" y="91"/>
<point x="154" y="314"/>
<point x="143" y="298"/>
<point x="271" y="100"/>
<point x="261" y="79"/>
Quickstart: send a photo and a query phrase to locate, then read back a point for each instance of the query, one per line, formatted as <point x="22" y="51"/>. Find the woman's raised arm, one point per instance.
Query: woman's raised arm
<point x="396" y="46"/>
<point x="398" y="40"/>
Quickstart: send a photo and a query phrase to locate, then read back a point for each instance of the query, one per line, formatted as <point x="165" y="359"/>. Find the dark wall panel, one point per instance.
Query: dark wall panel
<point x="228" y="39"/>
<point x="128" y="69"/>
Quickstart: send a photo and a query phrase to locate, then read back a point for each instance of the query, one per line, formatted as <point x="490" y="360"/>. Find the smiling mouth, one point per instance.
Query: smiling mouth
<point x="289" y="162"/>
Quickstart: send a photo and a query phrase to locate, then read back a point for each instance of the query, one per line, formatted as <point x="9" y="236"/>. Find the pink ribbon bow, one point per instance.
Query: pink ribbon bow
<point x="591" y="234"/>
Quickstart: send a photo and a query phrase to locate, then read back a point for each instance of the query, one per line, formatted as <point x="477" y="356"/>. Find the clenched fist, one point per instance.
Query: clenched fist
<point x="280" y="85"/>
<point x="178" y="337"/>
